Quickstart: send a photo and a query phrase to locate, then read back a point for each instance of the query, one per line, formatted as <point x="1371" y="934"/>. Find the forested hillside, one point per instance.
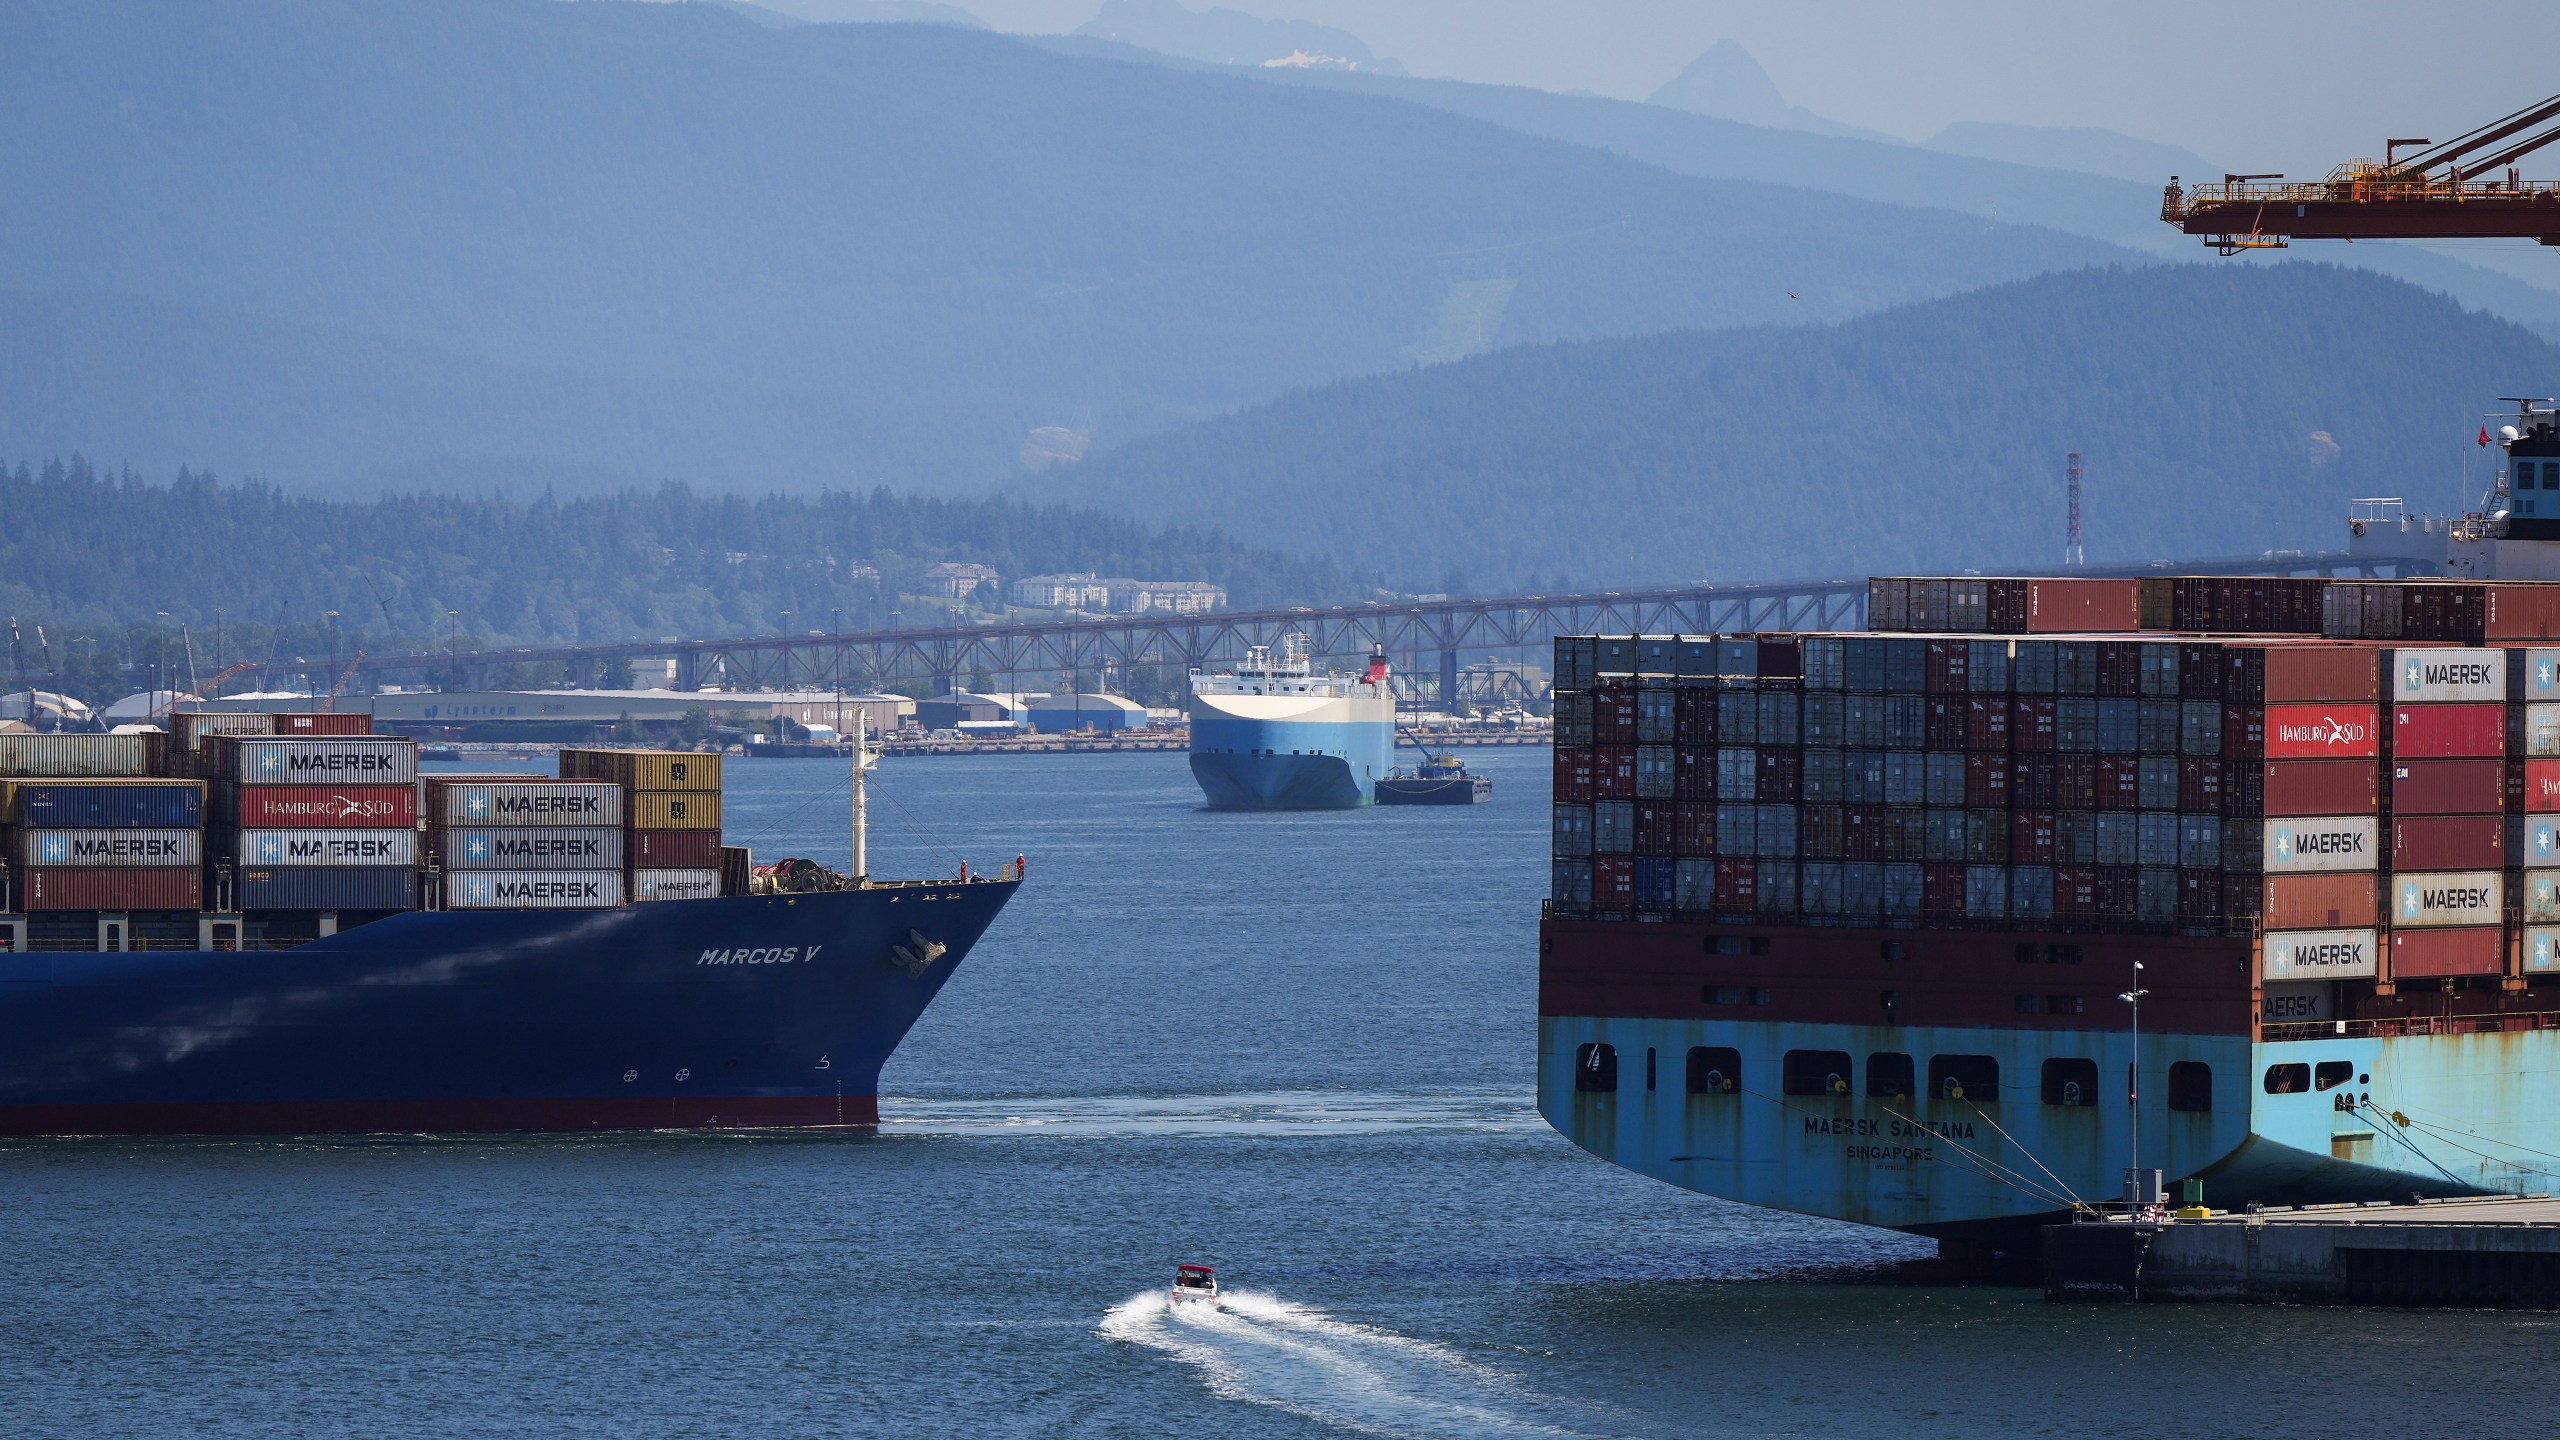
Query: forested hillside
<point x="2222" y="411"/>
<point x="376" y="242"/>
<point x="85" y="549"/>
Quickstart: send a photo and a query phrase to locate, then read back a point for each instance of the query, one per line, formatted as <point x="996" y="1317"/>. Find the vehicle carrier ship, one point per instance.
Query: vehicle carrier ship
<point x="251" y="933"/>
<point x="1274" y="734"/>
<point x="1857" y="924"/>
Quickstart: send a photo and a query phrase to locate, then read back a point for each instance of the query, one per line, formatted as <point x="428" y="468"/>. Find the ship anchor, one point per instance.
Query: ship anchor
<point x="918" y="954"/>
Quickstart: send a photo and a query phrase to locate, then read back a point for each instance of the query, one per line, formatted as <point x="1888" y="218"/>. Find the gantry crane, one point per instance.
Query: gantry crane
<point x="2433" y="193"/>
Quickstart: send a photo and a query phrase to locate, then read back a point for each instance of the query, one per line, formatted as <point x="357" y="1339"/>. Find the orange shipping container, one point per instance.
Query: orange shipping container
<point x="2321" y="902"/>
<point x="2522" y="610"/>
<point x="2297" y="673"/>
<point x="2063" y="607"/>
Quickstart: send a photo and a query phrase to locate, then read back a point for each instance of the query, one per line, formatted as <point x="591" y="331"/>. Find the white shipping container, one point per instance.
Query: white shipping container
<point x="532" y="889"/>
<point x="2542" y="896"/>
<point x="530" y="847"/>
<point x="2542" y="730"/>
<point x="2542" y="674"/>
<point x="323" y="760"/>
<point x="71" y="755"/>
<point x="2304" y="845"/>
<point x="227" y="722"/>
<point x="2293" y="955"/>
<point x="2448" y="897"/>
<point x="119" y="849"/>
<point x="674" y="884"/>
<point x="2542" y="949"/>
<point x="391" y="848"/>
<point x="2538" y="848"/>
<point x="2468" y="674"/>
<point x="513" y="802"/>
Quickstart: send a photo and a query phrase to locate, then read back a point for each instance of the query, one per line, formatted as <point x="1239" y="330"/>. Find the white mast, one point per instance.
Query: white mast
<point x="861" y="875"/>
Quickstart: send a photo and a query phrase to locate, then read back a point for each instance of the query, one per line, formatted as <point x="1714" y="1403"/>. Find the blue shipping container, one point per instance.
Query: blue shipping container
<point x="1657" y="882"/>
<point x="114" y="805"/>
<point x="325" y="887"/>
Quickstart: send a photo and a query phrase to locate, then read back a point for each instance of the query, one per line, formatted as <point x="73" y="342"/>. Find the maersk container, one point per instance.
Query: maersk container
<point x="675" y="810"/>
<point x="2430" y="954"/>
<point x="2307" y="845"/>
<point x="188" y="729"/>
<point x="302" y="807"/>
<point x="122" y="849"/>
<point x="2448" y="898"/>
<point x="480" y="801"/>
<point x="331" y="760"/>
<point x="2542" y="729"/>
<point x="2444" y="731"/>
<point x="533" y="889"/>
<point x="65" y="756"/>
<point x="177" y="888"/>
<point x="98" y="804"/>
<point x="1572" y="835"/>
<point x="328" y="847"/>
<point x="530" y="847"/>
<point x="2449" y="676"/>
<point x="2537" y="842"/>
<point x="325" y="887"/>
<point x="675" y="884"/>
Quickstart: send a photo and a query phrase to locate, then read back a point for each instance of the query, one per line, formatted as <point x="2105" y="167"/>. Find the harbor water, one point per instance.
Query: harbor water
<point x="1294" y="1045"/>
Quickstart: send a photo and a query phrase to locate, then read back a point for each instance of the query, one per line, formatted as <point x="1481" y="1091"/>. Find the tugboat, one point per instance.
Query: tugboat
<point x="1438" y="780"/>
<point x="1195" y="1282"/>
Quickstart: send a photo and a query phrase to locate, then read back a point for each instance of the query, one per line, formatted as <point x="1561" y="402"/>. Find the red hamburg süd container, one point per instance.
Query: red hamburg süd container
<point x="2448" y="787"/>
<point x="2032" y="723"/>
<point x="2425" y="954"/>
<point x="2319" y="732"/>
<point x="1573" y="777"/>
<point x="2321" y="902"/>
<point x="111" y="889"/>
<point x="1986" y="782"/>
<point x="2449" y="842"/>
<point x="1613" y="774"/>
<point x="2294" y="674"/>
<point x="1655" y="830"/>
<point x="1613" y="715"/>
<point x="324" y="722"/>
<point x="2541" y="786"/>
<point x="2319" y="787"/>
<point x="676" y="849"/>
<point x="1737" y="885"/>
<point x="2061" y="607"/>
<point x="2440" y="731"/>
<point x="1986" y="723"/>
<point x="2199" y="785"/>
<point x="371" y="807"/>
<point x="2031" y="837"/>
<point x="1694" y="829"/>
<point x="2119" y="782"/>
<point x="1613" y="882"/>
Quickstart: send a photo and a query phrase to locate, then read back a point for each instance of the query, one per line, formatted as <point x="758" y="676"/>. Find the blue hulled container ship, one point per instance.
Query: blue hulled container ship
<point x="1276" y="735"/>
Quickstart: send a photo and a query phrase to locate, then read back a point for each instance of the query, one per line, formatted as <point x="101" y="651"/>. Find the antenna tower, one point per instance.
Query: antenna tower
<point x="2071" y="552"/>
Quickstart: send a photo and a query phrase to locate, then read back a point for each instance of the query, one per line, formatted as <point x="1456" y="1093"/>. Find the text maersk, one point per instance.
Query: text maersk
<point x="2453" y="675"/>
<point x="2470" y="897"/>
<point x="2347" y="842"/>
<point x="2321" y="955"/>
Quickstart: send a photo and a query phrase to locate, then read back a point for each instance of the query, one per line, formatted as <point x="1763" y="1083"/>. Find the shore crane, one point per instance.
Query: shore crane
<point x="2435" y="192"/>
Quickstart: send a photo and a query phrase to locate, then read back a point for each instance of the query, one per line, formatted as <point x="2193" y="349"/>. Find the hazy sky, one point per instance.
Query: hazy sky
<point x="2252" y="84"/>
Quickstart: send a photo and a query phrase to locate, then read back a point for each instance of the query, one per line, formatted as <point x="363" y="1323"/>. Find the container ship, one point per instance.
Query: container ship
<point x="273" y="924"/>
<point x="2042" y="892"/>
<point x="1276" y="735"/>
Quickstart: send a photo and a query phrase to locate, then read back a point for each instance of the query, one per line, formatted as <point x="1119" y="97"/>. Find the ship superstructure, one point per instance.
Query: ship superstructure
<point x="1277" y="734"/>
<point x="1857" y="925"/>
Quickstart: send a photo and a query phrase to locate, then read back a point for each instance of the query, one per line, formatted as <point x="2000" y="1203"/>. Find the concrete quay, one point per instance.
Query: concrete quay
<point x="2499" y="1253"/>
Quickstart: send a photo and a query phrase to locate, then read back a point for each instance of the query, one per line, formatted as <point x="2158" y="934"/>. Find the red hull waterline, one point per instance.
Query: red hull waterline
<point x="555" y="1114"/>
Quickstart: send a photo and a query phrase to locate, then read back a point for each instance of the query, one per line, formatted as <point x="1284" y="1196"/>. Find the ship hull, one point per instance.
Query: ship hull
<point x="1247" y="763"/>
<point x="1446" y="790"/>
<point x="745" y="1011"/>
<point x="2399" y="1113"/>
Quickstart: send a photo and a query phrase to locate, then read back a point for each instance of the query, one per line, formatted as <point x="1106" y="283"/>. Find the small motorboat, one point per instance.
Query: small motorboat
<point x="1438" y="780"/>
<point x="1194" y="1283"/>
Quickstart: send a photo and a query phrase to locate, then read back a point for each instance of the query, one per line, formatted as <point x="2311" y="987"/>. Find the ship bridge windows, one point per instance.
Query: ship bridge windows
<point x="1971" y="1078"/>
<point x="1714" y="1070"/>
<point x="1815" y="1072"/>
<point x="1595" y="1069"/>
<point x="2292" y="1078"/>
<point x="1891" y="1076"/>
<point x="2333" y="1073"/>
<point x="2191" y="1086"/>
<point x="2069" y="1080"/>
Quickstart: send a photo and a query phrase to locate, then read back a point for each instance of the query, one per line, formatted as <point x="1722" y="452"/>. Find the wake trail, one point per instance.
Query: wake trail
<point x="1266" y="1351"/>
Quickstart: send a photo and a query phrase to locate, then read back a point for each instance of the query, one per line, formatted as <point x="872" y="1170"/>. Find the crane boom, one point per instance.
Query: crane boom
<point x="2430" y="195"/>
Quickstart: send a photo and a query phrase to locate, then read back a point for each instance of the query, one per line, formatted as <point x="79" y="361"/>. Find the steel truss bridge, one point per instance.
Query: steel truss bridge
<point x="1418" y="637"/>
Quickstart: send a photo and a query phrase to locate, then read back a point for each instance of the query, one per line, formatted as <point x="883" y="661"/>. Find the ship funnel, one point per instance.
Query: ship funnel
<point x="1378" y="664"/>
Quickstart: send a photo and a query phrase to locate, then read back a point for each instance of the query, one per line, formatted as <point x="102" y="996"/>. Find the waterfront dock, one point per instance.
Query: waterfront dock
<point x="1117" y="742"/>
<point x="2500" y="1253"/>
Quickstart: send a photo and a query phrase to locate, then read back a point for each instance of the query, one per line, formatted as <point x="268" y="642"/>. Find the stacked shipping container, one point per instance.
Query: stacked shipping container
<point x="96" y="843"/>
<point x="517" y="842"/>
<point x="671" y="800"/>
<point x="321" y="823"/>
